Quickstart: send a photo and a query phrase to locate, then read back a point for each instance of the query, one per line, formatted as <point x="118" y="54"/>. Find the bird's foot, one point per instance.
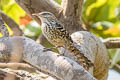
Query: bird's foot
<point x="47" y="49"/>
<point x="50" y="49"/>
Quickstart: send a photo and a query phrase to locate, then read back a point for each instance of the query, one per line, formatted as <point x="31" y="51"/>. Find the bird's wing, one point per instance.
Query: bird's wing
<point x="64" y="31"/>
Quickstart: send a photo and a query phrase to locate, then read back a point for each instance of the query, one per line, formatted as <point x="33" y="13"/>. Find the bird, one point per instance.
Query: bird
<point x="55" y="33"/>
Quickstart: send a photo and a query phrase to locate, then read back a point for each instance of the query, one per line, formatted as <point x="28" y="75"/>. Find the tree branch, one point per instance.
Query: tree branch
<point x="12" y="24"/>
<point x="72" y="8"/>
<point x="6" y="75"/>
<point x="36" y="6"/>
<point x="48" y="61"/>
<point x="112" y="43"/>
<point x="3" y="28"/>
<point x="116" y="67"/>
<point x="23" y="75"/>
<point x="22" y="66"/>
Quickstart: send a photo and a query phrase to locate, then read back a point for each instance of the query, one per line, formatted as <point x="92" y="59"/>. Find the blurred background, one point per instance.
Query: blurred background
<point x="102" y="17"/>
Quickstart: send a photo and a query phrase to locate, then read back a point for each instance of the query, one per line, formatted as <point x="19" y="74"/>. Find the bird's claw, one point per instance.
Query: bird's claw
<point x="47" y="49"/>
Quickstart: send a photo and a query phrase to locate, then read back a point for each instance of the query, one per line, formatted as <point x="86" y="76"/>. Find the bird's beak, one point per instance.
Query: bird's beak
<point x="36" y="14"/>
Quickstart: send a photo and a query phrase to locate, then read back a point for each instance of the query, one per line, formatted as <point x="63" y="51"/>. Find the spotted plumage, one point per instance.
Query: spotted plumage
<point x="55" y="33"/>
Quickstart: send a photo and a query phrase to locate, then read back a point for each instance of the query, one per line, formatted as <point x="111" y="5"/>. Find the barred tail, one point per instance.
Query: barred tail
<point x="82" y="59"/>
<point x="3" y="29"/>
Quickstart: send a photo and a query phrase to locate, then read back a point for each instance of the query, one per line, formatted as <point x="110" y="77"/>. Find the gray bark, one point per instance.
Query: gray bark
<point x="112" y="43"/>
<point x="59" y="66"/>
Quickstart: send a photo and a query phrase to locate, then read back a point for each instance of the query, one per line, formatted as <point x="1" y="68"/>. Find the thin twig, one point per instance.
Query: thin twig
<point x="3" y="28"/>
<point x="112" y="43"/>
<point x="22" y="66"/>
<point x="116" y="67"/>
<point x="12" y="24"/>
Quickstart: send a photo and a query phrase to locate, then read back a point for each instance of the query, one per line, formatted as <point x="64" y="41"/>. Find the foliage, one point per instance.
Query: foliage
<point x="103" y="18"/>
<point x="32" y="29"/>
<point x="115" y="56"/>
<point x="100" y="14"/>
<point x="58" y="1"/>
<point x="12" y="9"/>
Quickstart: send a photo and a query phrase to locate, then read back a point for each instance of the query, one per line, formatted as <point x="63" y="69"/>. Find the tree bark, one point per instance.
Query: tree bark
<point x="33" y="54"/>
<point x="112" y="43"/>
<point x="72" y="15"/>
<point x="59" y="66"/>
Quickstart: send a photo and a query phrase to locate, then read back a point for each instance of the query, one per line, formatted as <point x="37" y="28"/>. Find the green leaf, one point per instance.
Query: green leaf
<point x="100" y="10"/>
<point x="4" y="3"/>
<point x="86" y="4"/>
<point x="32" y="29"/>
<point x="104" y="25"/>
<point x="117" y="12"/>
<point x="111" y="53"/>
<point x="116" y="57"/>
<point x="58" y="1"/>
<point x="14" y="11"/>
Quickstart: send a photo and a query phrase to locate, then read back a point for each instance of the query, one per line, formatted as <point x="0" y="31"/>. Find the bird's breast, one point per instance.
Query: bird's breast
<point x="53" y="35"/>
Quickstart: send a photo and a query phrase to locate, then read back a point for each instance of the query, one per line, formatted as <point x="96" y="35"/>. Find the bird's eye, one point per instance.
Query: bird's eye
<point x="45" y="14"/>
<point x="52" y="21"/>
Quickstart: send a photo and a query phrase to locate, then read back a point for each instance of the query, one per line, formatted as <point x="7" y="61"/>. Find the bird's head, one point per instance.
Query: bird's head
<point x="44" y="16"/>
